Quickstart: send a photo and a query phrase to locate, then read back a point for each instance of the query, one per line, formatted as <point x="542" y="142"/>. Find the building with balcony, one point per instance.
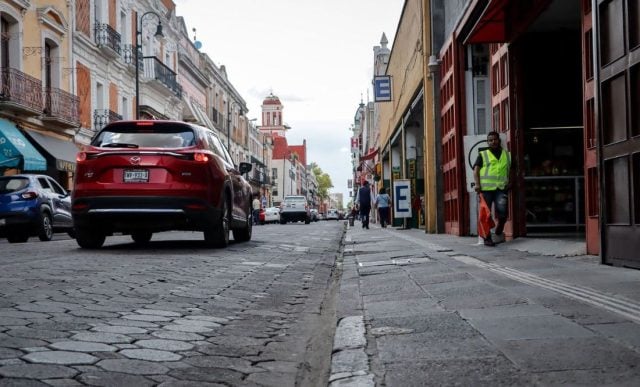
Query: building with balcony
<point x="102" y="69"/>
<point x="193" y="80"/>
<point x="39" y="111"/>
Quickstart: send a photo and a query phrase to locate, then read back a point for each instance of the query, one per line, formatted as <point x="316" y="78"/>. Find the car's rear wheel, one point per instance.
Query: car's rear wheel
<point x="218" y="234"/>
<point x="141" y="238"/>
<point x="283" y="220"/>
<point x="89" y="239"/>
<point x="45" y="227"/>
<point x="243" y="234"/>
<point x="17" y="236"/>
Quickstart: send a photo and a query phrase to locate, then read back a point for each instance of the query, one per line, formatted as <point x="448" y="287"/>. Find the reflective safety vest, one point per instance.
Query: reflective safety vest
<point x="494" y="173"/>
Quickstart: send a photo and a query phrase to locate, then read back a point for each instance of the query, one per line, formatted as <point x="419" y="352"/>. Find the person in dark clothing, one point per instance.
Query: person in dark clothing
<point x="364" y="203"/>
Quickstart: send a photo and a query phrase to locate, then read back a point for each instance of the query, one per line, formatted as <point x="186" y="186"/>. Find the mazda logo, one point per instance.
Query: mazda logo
<point x="135" y="160"/>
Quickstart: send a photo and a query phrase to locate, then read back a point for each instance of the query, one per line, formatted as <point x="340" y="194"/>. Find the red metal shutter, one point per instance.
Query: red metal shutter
<point x="502" y="121"/>
<point x="452" y="153"/>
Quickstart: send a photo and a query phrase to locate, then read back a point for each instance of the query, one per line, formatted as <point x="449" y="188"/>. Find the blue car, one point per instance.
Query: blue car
<point x="33" y="205"/>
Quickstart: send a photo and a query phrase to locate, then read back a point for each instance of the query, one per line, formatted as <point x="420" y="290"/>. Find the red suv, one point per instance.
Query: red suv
<point x="142" y="177"/>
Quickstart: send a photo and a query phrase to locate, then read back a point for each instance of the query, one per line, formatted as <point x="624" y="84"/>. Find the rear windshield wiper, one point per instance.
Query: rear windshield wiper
<point x="119" y="145"/>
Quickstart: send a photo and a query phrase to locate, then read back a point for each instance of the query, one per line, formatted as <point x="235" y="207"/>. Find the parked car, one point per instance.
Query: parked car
<point x="144" y="177"/>
<point x="294" y="208"/>
<point x="269" y="215"/>
<point x="33" y="205"/>
<point x="332" y="214"/>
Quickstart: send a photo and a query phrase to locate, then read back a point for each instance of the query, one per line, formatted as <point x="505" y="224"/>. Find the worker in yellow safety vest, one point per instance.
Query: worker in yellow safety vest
<point x="492" y="176"/>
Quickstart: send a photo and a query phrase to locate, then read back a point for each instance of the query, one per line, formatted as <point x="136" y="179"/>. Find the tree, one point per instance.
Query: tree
<point x="324" y="181"/>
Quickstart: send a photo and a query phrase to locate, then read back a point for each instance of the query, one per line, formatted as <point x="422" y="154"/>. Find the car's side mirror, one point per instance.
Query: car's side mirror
<point x="245" y="167"/>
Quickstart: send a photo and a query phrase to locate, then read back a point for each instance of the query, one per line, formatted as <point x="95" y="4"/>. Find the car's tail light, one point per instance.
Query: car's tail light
<point x="144" y="123"/>
<point x="79" y="206"/>
<point x="29" y="195"/>
<point x="201" y="157"/>
<point x="196" y="207"/>
<point x="84" y="156"/>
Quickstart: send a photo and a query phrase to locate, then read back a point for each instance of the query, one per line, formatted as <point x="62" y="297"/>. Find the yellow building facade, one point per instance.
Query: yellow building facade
<point x="38" y="110"/>
<point x="406" y="123"/>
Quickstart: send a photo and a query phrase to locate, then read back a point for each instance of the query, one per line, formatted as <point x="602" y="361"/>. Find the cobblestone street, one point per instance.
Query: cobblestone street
<point x="171" y="313"/>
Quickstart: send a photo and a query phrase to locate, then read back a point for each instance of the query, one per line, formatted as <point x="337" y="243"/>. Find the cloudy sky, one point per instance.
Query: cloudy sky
<point x="315" y="55"/>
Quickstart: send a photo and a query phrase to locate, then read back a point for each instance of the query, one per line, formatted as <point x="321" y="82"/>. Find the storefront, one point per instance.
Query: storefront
<point x="60" y="155"/>
<point x="519" y="70"/>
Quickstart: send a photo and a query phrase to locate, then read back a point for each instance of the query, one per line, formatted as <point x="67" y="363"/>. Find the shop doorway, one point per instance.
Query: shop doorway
<point x="549" y="83"/>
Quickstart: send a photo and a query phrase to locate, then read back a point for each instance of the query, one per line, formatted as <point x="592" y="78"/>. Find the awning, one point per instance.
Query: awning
<point x="14" y="148"/>
<point x="502" y="21"/>
<point x="490" y="26"/>
<point x="63" y="151"/>
<point x="195" y="113"/>
<point x="369" y="156"/>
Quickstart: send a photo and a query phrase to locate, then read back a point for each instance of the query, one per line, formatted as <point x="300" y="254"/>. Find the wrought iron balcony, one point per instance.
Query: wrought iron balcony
<point x="102" y="117"/>
<point x="260" y="177"/>
<point x="61" y="108"/>
<point x="20" y="92"/>
<point x="255" y="176"/>
<point x="107" y="37"/>
<point x="155" y="69"/>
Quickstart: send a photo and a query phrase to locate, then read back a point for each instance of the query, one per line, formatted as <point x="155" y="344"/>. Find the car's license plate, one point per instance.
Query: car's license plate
<point x="136" y="176"/>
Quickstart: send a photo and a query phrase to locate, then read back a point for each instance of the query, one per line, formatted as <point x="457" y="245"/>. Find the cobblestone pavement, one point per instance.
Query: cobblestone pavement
<point x="173" y="313"/>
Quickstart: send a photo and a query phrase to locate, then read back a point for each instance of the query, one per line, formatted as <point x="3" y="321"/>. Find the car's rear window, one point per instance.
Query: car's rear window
<point x="152" y="136"/>
<point x="295" y="199"/>
<point x="13" y="184"/>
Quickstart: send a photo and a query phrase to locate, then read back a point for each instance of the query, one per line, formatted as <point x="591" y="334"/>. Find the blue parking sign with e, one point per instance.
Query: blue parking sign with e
<point x="402" y="198"/>
<point x="382" y="88"/>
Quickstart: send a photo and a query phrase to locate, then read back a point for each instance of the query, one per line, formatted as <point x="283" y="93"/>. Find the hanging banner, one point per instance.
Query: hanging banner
<point x="402" y="198"/>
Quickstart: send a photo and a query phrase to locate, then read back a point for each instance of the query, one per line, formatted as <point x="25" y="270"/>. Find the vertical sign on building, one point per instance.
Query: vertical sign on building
<point x="354" y="144"/>
<point x="382" y="88"/>
<point x="402" y="198"/>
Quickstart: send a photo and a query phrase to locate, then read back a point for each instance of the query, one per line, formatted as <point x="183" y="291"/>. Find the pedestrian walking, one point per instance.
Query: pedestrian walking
<point x="382" y="203"/>
<point x="492" y="175"/>
<point x="256" y="205"/>
<point x="364" y="203"/>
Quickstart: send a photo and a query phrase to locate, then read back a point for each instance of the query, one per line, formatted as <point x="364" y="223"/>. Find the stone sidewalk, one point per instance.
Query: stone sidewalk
<point x="420" y="309"/>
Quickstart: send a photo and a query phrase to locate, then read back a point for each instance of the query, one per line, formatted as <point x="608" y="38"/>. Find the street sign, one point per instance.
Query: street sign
<point x="402" y="198"/>
<point x="382" y="88"/>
